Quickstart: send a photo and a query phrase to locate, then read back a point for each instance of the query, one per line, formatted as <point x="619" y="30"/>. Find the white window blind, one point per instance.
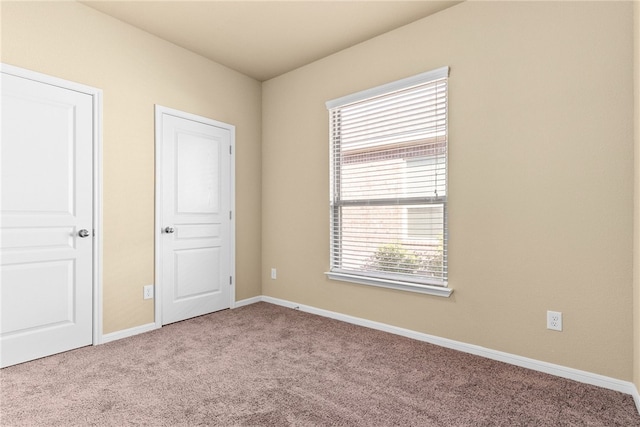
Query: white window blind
<point x="389" y="183"/>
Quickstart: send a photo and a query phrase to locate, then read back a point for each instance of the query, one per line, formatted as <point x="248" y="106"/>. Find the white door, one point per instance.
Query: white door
<point x="194" y="223"/>
<point x="46" y="231"/>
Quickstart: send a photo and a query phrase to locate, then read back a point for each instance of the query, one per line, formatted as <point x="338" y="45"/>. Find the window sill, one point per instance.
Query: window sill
<point x="440" y="291"/>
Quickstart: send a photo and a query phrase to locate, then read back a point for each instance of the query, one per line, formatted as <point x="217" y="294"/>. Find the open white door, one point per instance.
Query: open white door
<point x="47" y="217"/>
<point x="194" y="229"/>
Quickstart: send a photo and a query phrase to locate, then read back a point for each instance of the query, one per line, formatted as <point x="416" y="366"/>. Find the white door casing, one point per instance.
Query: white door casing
<point x="49" y="281"/>
<point x="194" y="222"/>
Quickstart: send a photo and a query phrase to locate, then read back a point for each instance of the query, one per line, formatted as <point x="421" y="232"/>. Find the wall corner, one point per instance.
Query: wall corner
<point x="636" y="198"/>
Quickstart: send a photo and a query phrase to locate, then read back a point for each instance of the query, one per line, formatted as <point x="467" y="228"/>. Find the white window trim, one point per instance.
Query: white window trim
<point x="442" y="291"/>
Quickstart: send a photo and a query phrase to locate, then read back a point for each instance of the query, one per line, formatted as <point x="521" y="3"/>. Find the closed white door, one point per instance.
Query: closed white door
<point x="194" y="224"/>
<point x="46" y="231"/>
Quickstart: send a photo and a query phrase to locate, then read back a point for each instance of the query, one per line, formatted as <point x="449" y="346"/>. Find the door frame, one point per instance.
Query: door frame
<point x="96" y="97"/>
<point x="159" y="111"/>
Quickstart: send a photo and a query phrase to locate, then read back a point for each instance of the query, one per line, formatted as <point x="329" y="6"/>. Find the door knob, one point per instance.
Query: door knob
<point x="83" y="233"/>
<point x="169" y="230"/>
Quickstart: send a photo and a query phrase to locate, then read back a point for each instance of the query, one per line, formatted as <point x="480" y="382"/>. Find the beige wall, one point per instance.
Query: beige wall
<point x="541" y="179"/>
<point x="135" y="71"/>
<point x="636" y="209"/>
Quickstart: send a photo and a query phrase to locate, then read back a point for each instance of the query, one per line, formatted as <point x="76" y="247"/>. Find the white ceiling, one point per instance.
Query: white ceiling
<point x="264" y="39"/>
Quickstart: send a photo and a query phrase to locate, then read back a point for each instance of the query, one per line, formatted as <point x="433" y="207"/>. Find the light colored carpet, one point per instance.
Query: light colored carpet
<point x="265" y="365"/>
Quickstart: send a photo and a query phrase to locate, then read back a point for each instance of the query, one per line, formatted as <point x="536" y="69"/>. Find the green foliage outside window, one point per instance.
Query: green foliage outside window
<point x="394" y="258"/>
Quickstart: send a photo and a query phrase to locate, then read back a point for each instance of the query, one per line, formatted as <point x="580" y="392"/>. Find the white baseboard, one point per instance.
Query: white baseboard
<point x="247" y="301"/>
<point x="151" y="326"/>
<point x="128" y="333"/>
<point x="525" y="362"/>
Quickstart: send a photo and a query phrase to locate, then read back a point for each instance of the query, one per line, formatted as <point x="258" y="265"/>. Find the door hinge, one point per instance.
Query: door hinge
<point x="229" y="214"/>
<point x="230" y="148"/>
<point x="230" y="280"/>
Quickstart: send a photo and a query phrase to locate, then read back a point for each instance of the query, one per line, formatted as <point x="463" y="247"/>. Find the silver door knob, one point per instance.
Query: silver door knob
<point x="83" y="233"/>
<point x="169" y="230"/>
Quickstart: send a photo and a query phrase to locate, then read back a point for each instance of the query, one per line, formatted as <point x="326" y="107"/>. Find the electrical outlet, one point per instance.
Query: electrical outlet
<point x="147" y="292"/>
<point x="274" y="274"/>
<point x="554" y="320"/>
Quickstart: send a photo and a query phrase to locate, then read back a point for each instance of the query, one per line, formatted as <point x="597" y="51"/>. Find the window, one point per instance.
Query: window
<point x="389" y="185"/>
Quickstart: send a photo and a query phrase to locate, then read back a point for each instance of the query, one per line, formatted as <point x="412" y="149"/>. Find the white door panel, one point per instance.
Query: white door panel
<point x="46" y="280"/>
<point x="195" y="255"/>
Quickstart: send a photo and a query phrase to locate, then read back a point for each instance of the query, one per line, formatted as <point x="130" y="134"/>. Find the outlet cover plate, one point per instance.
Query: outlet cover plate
<point x="147" y="292"/>
<point x="554" y="320"/>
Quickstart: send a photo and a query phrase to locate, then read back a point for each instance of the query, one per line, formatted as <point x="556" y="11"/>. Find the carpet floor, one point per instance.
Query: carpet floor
<point x="265" y="365"/>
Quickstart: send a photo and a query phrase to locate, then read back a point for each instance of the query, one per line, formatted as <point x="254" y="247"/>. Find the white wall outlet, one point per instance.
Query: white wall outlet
<point x="274" y="274"/>
<point x="147" y="292"/>
<point x="554" y="320"/>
